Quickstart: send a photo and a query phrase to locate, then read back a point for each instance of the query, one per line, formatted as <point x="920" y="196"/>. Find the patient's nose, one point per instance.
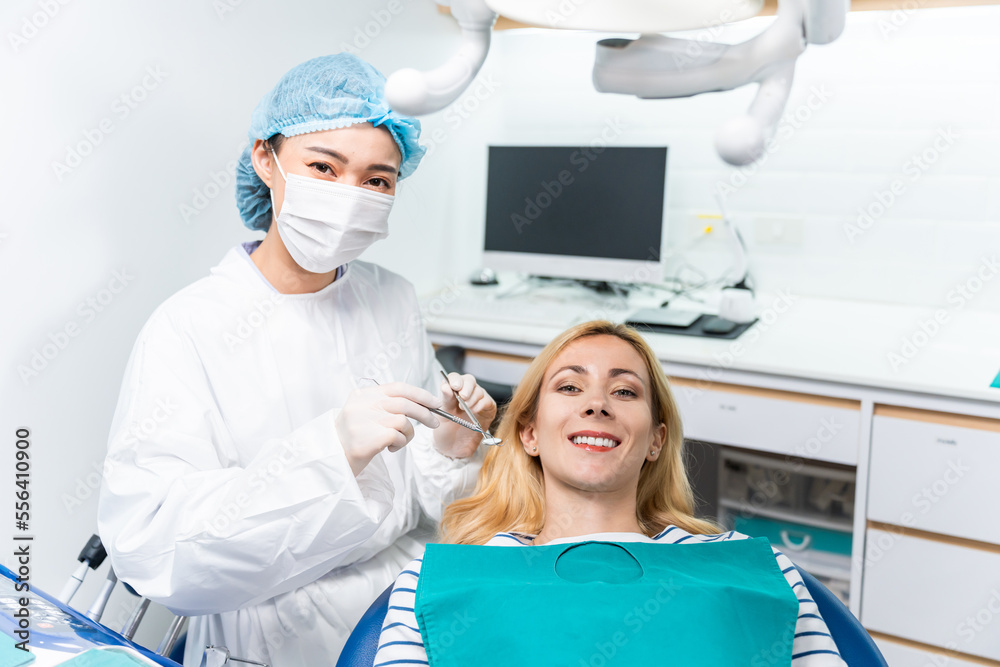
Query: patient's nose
<point x="597" y="404"/>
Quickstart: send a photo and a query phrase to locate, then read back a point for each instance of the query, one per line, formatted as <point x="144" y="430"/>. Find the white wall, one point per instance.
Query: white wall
<point x="63" y="239"/>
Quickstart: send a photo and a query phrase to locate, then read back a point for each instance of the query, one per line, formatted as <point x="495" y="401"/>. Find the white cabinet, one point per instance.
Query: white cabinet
<point x="932" y="560"/>
<point x="932" y="591"/>
<point x="502" y="368"/>
<point x="936" y="472"/>
<point x="782" y="422"/>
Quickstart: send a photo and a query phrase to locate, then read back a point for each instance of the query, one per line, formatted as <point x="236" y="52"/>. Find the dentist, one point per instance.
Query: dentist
<point x="251" y="481"/>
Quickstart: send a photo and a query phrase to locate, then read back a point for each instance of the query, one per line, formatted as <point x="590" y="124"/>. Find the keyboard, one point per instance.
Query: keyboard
<point x="513" y="310"/>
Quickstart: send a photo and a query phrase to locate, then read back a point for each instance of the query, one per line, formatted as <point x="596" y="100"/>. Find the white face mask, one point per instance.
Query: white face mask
<point x="325" y="224"/>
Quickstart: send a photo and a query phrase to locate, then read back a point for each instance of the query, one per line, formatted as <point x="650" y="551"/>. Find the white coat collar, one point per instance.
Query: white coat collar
<point x="238" y="265"/>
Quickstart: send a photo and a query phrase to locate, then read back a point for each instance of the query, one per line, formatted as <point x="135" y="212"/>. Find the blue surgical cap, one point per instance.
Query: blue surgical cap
<point x="320" y="94"/>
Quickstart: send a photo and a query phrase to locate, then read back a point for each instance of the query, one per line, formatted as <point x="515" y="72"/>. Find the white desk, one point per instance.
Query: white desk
<point x="902" y="419"/>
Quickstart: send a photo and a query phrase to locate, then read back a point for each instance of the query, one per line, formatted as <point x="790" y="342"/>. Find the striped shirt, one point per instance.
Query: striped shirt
<point x="401" y="643"/>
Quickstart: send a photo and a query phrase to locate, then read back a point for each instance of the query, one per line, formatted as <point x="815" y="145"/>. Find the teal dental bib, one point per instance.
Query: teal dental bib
<point x="593" y="604"/>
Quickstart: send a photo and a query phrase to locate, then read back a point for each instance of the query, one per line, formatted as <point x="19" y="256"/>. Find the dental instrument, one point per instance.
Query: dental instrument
<point x="473" y="425"/>
<point x="488" y="438"/>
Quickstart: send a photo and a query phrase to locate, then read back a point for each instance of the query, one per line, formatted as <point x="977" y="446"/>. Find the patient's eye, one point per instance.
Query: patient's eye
<point x="568" y="388"/>
<point x="625" y="391"/>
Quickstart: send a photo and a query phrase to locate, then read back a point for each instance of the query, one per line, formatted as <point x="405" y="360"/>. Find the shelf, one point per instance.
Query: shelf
<point x="811" y="469"/>
<point x="805" y="518"/>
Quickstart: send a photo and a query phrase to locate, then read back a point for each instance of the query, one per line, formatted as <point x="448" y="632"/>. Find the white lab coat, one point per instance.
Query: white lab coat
<point x="227" y="495"/>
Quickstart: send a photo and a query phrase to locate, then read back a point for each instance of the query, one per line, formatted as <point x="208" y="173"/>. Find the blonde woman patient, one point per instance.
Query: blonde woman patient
<point x="598" y="559"/>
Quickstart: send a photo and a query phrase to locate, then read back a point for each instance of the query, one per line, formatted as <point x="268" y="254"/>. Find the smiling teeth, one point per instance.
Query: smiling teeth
<point x="598" y="442"/>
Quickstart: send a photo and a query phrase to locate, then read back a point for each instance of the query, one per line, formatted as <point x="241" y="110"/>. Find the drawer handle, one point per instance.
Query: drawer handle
<point x="786" y="539"/>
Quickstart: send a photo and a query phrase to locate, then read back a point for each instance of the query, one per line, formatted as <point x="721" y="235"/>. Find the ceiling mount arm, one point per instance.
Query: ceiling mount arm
<point x="657" y="66"/>
<point x="654" y="66"/>
<point x="741" y="140"/>
<point x="412" y="92"/>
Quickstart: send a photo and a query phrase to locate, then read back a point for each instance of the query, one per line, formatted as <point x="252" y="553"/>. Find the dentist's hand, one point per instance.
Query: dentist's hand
<point x="377" y="418"/>
<point x="451" y="439"/>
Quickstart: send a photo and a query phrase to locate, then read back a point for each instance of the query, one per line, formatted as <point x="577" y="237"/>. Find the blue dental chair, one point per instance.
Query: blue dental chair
<point x="855" y="644"/>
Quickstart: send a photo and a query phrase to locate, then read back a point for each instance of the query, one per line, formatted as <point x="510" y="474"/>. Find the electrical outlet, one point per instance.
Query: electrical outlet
<point x="778" y="231"/>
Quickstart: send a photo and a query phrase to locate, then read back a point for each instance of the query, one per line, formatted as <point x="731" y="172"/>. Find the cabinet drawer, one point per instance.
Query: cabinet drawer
<point x="934" y="592"/>
<point x="935" y="472"/>
<point x="903" y="655"/>
<point x="495" y="367"/>
<point x="782" y="422"/>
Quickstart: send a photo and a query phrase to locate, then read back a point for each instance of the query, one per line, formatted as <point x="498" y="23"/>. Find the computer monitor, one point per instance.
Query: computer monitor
<point x="577" y="212"/>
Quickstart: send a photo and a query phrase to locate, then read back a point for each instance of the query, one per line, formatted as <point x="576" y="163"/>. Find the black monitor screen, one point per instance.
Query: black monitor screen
<point x="575" y="201"/>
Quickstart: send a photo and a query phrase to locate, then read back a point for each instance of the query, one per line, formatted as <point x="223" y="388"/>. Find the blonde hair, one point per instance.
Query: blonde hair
<point x="510" y="491"/>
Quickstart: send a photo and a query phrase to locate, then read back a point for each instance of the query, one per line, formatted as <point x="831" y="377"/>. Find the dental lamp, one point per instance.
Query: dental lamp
<point x="653" y="66"/>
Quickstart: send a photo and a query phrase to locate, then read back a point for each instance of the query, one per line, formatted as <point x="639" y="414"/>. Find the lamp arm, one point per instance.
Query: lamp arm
<point x="416" y="93"/>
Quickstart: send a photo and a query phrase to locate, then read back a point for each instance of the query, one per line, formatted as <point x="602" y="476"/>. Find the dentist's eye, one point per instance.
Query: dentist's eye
<point x="380" y="183"/>
<point x="322" y="168"/>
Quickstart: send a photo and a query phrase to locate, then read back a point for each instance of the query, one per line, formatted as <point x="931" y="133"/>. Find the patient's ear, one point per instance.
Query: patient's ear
<point x="529" y="440"/>
<point x="659" y="437"/>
